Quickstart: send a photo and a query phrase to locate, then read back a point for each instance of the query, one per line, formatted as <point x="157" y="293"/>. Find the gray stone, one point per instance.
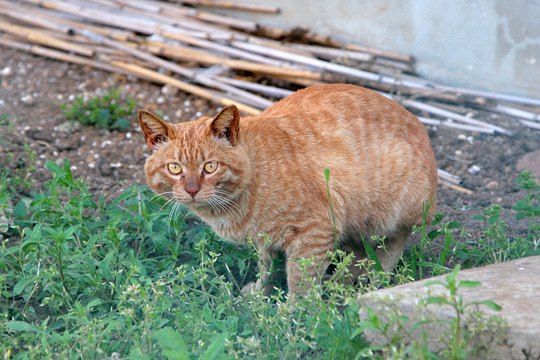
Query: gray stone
<point x="514" y="285"/>
<point x="531" y="162"/>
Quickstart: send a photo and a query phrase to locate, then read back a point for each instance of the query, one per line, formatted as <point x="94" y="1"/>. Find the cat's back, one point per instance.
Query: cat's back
<point x="337" y="113"/>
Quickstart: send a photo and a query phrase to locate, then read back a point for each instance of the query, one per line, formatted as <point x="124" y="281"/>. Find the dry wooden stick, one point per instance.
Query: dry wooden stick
<point x="382" y="53"/>
<point x="327" y="66"/>
<point x="246" y="96"/>
<point x="331" y="53"/>
<point x="199" y="15"/>
<point x="445" y="175"/>
<point x="205" y="44"/>
<point x="491" y="95"/>
<point x="457" y="188"/>
<point x="184" y="86"/>
<point x="191" y="54"/>
<point x="531" y="124"/>
<point x="263" y="89"/>
<point x="30" y="18"/>
<point x="50" y="19"/>
<point x="451" y="124"/>
<point x="448" y="114"/>
<point x="233" y="6"/>
<point x="170" y="22"/>
<point x="519" y="113"/>
<point x="37" y="37"/>
<point x="172" y="15"/>
<point x="58" y="55"/>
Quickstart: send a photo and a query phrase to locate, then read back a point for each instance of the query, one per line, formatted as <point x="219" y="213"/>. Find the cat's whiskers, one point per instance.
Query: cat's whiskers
<point x="167" y="203"/>
<point x="222" y="204"/>
<point x="161" y="194"/>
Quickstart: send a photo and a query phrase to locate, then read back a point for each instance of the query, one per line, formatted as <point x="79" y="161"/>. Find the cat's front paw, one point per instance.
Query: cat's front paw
<point x="251" y="287"/>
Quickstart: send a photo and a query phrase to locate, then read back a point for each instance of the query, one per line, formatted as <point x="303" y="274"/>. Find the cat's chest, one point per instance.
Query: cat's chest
<point x="231" y="230"/>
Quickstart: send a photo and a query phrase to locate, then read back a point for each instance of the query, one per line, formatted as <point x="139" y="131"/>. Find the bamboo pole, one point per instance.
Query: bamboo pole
<point x="491" y="95"/>
<point x="382" y="53"/>
<point x="328" y="66"/>
<point x="233" y="6"/>
<point x="197" y="14"/>
<point x="184" y="86"/>
<point x="204" y="80"/>
<point x="448" y="114"/>
<point x="50" y="18"/>
<point x="246" y="55"/>
<point x="445" y="175"/>
<point x="191" y="54"/>
<point x="519" y="113"/>
<point x="30" y="18"/>
<point x="40" y="38"/>
<point x="58" y="55"/>
<point x="263" y="89"/>
<point x="331" y="53"/>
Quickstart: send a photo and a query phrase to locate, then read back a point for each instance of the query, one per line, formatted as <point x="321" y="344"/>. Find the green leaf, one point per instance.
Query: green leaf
<point x="489" y="303"/>
<point x="469" y="284"/>
<point x="21" y="285"/>
<point x="53" y="167"/>
<point x="172" y="344"/>
<point x="372" y="255"/>
<point x="21" y="326"/>
<point x="216" y="348"/>
<point x="436" y="300"/>
<point x="20" y="210"/>
<point x="93" y="303"/>
<point x="453" y="225"/>
<point x="362" y="327"/>
<point x="435" y="282"/>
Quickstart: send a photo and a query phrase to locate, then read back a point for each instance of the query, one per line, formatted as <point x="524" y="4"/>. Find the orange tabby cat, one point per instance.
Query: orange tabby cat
<point x="265" y="175"/>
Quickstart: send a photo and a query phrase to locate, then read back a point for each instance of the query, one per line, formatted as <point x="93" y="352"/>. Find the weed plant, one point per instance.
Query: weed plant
<point x="82" y="277"/>
<point x="107" y="111"/>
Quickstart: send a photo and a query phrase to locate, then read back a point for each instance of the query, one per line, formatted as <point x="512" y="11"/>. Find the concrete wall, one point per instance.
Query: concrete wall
<point x="482" y="44"/>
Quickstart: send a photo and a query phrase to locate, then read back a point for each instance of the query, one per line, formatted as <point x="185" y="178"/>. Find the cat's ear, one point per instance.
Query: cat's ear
<point x="226" y="124"/>
<point x="155" y="130"/>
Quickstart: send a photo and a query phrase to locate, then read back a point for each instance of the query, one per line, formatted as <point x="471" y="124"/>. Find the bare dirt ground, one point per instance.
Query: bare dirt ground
<point x="33" y="88"/>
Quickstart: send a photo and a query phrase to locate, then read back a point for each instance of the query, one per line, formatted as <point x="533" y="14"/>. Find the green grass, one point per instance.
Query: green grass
<point x="86" y="278"/>
<point x="108" y="111"/>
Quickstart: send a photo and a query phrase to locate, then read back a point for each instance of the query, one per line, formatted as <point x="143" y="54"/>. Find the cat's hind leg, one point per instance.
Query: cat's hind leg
<point x="392" y="248"/>
<point x="308" y="258"/>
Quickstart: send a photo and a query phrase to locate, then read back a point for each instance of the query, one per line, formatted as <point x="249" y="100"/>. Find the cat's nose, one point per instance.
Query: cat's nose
<point x="192" y="192"/>
<point x="192" y="187"/>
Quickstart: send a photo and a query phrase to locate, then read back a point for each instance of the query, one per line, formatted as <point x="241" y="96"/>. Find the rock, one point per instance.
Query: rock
<point x="160" y="100"/>
<point x="39" y="134"/>
<point x="28" y="99"/>
<point x="169" y="90"/>
<point x="68" y="143"/>
<point x="492" y="185"/>
<point x="531" y="162"/>
<point x="475" y="169"/>
<point x="104" y="168"/>
<point x="7" y="71"/>
<point x="509" y="284"/>
<point x="68" y="127"/>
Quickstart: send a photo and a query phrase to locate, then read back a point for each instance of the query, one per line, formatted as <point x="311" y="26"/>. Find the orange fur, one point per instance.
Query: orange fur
<point x="270" y="174"/>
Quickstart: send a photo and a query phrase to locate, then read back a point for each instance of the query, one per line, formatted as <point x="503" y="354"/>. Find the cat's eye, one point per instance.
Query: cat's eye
<point x="174" y="168"/>
<point x="210" y="167"/>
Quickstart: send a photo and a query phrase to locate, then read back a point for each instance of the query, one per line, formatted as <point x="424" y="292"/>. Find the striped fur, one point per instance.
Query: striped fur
<point x="270" y="175"/>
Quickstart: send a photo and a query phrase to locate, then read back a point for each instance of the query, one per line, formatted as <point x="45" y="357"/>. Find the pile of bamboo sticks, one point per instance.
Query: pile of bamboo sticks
<point x="227" y="60"/>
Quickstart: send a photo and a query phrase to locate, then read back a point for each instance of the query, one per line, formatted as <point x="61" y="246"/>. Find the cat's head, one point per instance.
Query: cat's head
<point x="200" y="163"/>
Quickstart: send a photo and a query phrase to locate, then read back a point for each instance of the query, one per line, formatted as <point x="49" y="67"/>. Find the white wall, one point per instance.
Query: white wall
<point x="482" y="44"/>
